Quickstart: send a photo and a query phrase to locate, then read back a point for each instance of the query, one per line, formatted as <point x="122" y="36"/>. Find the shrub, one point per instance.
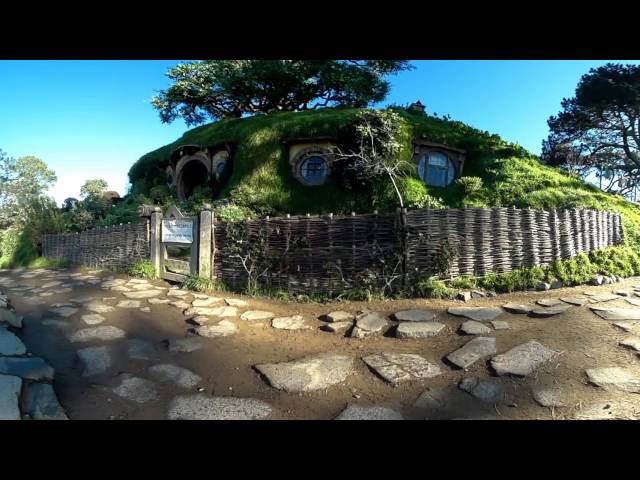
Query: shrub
<point x="199" y="283"/>
<point x="143" y="269"/>
<point x="430" y="288"/>
<point x="469" y="185"/>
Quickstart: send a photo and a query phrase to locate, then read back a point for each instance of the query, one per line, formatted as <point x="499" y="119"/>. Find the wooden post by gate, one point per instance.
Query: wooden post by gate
<point x="179" y="246"/>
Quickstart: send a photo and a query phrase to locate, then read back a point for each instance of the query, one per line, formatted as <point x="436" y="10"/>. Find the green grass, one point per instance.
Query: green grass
<point x="143" y="269"/>
<point x="197" y="283"/>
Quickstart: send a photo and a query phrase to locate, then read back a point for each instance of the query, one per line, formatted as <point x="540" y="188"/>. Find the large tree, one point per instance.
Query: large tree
<point x="21" y="181"/>
<point x="215" y="89"/>
<point x="598" y="130"/>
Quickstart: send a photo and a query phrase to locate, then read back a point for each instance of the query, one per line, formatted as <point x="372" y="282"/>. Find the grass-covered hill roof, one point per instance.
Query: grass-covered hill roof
<point x="261" y="179"/>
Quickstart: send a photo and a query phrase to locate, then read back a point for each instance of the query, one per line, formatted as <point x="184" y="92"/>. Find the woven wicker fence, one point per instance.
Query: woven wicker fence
<point x="115" y="246"/>
<point x="327" y="254"/>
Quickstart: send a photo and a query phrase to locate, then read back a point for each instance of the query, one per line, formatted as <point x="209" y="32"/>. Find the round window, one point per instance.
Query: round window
<point x="313" y="170"/>
<point x="220" y="167"/>
<point x="436" y="169"/>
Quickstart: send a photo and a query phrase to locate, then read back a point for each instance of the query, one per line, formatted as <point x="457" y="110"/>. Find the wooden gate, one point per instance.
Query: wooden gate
<point x="179" y="245"/>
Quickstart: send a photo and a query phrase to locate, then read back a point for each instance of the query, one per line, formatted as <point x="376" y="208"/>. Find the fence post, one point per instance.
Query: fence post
<point x="204" y="243"/>
<point x="156" y="232"/>
<point x="404" y="232"/>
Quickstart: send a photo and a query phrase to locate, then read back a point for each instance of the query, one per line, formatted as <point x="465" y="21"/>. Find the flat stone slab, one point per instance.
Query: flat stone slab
<point x="206" y="302"/>
<point x="358" y="412"/>
<point x="32" y="368"/>
<point x="622" y="293"/>
<point x="480" y="314"/>
<point x="135" y="389"/>
<point x="415" y="316"/>
<point x="235" y="302"/>
<point x="64" y="311"/>
<point x="609" y="410"/>
<point x="184" y="345"/>
<point x="10" y="344"/>
<point x="473" y="351"/>
<point x="42" y="404"/>
<point x="631" y="326"/>
<point x="447" y="402"/>
<point x="295" y="322"/>
<point x="220" y="312"/>
<point x="99" y="307"/>
<point x="181" y="305"/>
<point x="632" y="343"/>
<point x="578" y="301"/>
<point x="170" y="373"/>
<point x="10" y="387"/>
<point x="82" y="299"/>
<point x="633" y="301"/>
<point x="315" y="372"/>
<point x="93" y="318"/>
<point x="223" y="328"/>
<point x="401" y="367"/>
<point x="419" y="329"/>
<point x="138" y="349"/>
<point x="523" y="359"/>
<point x="368" y="323"/>
<point x="176" y="292"/>
<point x="251" y="315"/>
<point x="96" y="360"/>
<point x="55" y="322"/>
<point x="128" y="304"/>
<point x="337" y="326"/>
<point x="617" y="313"/>
<point x="500" y="325"/>
<point x="603" y="297"/>
<point x="143" y="293"/>
<point x="549" y="302"/>
<point x="549" y="396"/>
<point x="614" y="379"/>
<point x="203" y="407"/>
<point x="103" y="332"/>
<point x="156" y="301"/>
<point x="471" y="327"/>
<point x="339" y="316"/>
<point x="517" y="308"/>
<point x="12" y="318"/>
<point x="488" y="390"/>
<point x="549" y="311"/>
<point x="50" y="284"/>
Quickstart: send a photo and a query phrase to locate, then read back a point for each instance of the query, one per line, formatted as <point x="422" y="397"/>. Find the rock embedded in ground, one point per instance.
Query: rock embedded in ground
<point x="82" y="299"/>
<point x="184" y="345"/>
<point x="198" y="320"/>
<point x="577" y="300"/>
<point x="609" y="410"/>
<point x="143" y="294"/>
<point x="447" y="402"/>
<point x="181" y="377"/>
<point x="96" y="360"/>
<point x="314" y="372"/>
<point x="549" y="311"/>
<point x="419" y="329"/>
<point x="631" y="326"/>
<point x="338" y="316"/>
<point x="617" y="313"/>
<point x="31" y="368"/>
<point x="176" y="292"/>
<point x="549" y="302"/>
<point x="64" y="311"/>
<point x="41" y="403"/>
<point x="614" y="379"/>
<point x="99" y="307"/>
<point x="471" y="327"/>
<point x="622" y="293"/>
<point x="479" y="314"/>
<point x="488" y="390"/>
<point x="337" y="326"/>
<point x="234" y="302"/>
<point x="597" y="280"/>
<point x="103" y="332"/>
<point x="10" y="387"/>
<point x="500" y="325"/>
<point x="138" y="349"/>
<point x="220" y="312"/>
<point x="549" y="396"/>
<point x="517" y="308"/>
<point x="396" y="368"/>
<point x="472" y="351"/>
<point x="632" y="343"/>
<point x="369" y="323"/>
<point x="543" y="286"/>
<point x="359" y="412"/>
<point x="128" y="304"/>
<point x="522" y="359"/>
<point x="206" y="302"/>
<point x="223" y="328"/>
<point x="415" y="316"/>
<point x="252" y="315"/>
<point x="93" y="318"/>
<point x="145" y="309"/>
<point x="203" y="407"/>
<point x="295" y="322"/>
<point x="135" y="389"/>
<point x="54" y="322"/>
<point x="464" y="296"/>
<point x="182" y="305"/>
<point x="10" y="344"/>
<point x="156" y="301"/>
<point x="602" y="297"/>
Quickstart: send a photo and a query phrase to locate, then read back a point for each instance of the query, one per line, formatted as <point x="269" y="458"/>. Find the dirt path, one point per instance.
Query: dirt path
<point x="226" y="365"/>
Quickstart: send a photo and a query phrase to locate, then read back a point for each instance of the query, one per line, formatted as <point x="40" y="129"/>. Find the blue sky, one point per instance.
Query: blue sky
<point x="93" y="119"/>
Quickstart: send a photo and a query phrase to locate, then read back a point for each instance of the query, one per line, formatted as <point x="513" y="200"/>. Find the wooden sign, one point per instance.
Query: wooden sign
<point x="177" y="230"/>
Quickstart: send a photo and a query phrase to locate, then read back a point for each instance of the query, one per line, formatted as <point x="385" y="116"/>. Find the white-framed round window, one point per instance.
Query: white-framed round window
<point x="313" y="169"/>
<point x="436" y="169"/>
<point x="219" y="162"/>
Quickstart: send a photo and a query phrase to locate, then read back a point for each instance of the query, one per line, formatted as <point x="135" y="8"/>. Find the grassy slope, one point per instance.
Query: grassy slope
<point x="262" y="179"/>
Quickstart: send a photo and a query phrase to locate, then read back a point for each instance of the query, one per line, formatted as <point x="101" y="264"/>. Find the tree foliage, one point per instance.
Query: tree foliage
<point x="217" y="89"/>
<point x="599" y="128"/>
